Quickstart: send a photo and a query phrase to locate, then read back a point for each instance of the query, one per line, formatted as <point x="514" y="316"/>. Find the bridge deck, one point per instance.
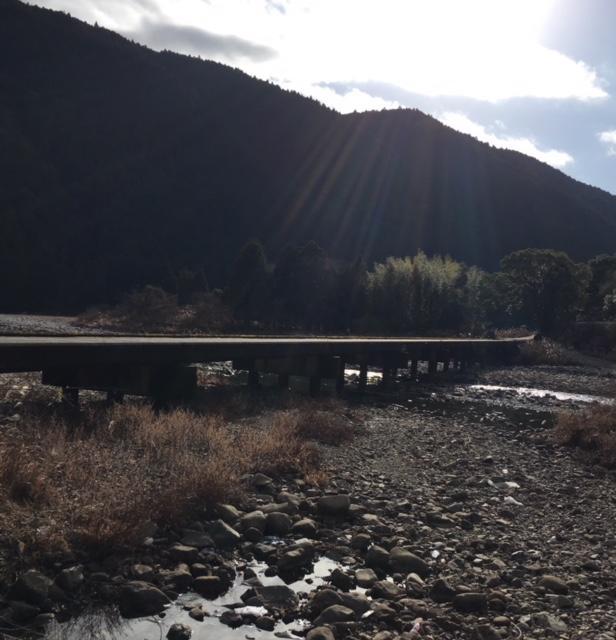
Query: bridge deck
<point x="37" y="353"/>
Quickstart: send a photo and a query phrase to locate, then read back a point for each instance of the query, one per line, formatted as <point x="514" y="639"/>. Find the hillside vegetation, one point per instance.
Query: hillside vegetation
<point x="121" y="165"/>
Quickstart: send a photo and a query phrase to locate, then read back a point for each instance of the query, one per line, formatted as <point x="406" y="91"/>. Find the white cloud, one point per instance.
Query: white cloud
<point x="478" y="49"/>
<point x="608" y="138"/>
<point x="528" y="146"/>
<point x="352" y="100"/>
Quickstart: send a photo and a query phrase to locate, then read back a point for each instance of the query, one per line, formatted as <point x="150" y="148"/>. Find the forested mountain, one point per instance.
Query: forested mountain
<point x="120" y="165"/>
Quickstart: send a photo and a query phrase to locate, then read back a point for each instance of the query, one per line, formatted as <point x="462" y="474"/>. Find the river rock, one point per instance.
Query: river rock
<point x="305" y="527"/>
<point x="323" y="599"/>
<point x="21" y="612"/>
<point x="231" y="619"/>
<point x="403" y="561"/>
<point x="277" y="597"/>
<point x="141" y="599"/>
<point x="32" y="587"/>
<point x="142" y="572"/>
<point x="278" y="524"/>
<point x="320" y="633"/>
<point x="71" y="579"/>
<point x="184" y="553"/>
<point x="253" y="520"/>
<point x="335" y="506"/>
<point x="209" y="587"/>
<point x="442" y="591"/>
<point x="365" y="577"/>
<point x="197" y="539"/>
<point x="179" y="631"/>
<point x="554" y="584"/>
<point x="224" y="535"/>
<point x="228" y="513"/>
<point x="335" y="613"/>
<point x="377" y="557"/>
<point x="356" y="601"/>
<point x="471" y="602"/>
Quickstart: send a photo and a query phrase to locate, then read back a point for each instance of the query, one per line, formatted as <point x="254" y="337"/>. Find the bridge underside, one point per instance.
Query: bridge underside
<point x="162" y="367"/>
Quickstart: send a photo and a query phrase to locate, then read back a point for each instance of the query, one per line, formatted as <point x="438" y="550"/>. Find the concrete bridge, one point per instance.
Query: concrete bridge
<point x="161" y="366"/>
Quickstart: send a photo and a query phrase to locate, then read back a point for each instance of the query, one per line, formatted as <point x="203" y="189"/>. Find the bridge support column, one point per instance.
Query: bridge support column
<point x="363" y="376"/>
<point x="432" y="367"/>
<point x="340" y="377"/>
<point x="254" y="381"/>
<point x="446" y="365"/>
<point x="70" y="398"/>
<point x="315" y="385"/>
<point x="413" y="369"/>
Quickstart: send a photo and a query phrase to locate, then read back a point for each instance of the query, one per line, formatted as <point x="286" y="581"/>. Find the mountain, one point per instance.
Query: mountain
<point x="120" y="165"/>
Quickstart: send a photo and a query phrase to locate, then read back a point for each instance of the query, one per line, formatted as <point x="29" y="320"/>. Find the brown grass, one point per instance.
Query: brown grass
<point x="95" y="486"/>
<point x="546" y="352"/>
<point x="592" y="430"/>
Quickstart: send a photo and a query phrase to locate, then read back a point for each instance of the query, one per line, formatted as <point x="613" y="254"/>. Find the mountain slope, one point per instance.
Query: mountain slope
<point x="120" y="164"/>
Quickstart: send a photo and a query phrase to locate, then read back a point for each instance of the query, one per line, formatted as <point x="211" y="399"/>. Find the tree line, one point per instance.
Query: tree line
<point x="307" y="290"/>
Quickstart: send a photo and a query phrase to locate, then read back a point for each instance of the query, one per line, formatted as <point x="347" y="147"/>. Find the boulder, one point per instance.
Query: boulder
<point x="365" y="578"/>
<point x="305" y="527"/>
<point x="554" y="584"/>
<point x="141" y="599"/>
<point x="277" y="597"/>
<point x="471" y="602"/>
<point x="278" y="523"/>
<point x="253" y="520"/>
<point x="336" y="506"/>
<point x="224" y="535"/>
<point x="179" y="631"/>
<point x="209" y="587"/>
<point x="320" y="633"/>
<point x="32" y="587"/>
<point x="403" y="561"/>
<point x="335" y="613"/>
<point x="70" y="579"/>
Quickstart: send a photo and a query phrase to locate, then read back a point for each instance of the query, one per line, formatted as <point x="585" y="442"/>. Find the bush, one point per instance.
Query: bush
<point x="150" y="306"/>
<point x="592" y="430"/>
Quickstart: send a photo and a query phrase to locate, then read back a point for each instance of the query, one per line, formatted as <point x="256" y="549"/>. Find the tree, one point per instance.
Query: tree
<point x="247" y="291"/>
<point x="548" y="288"/>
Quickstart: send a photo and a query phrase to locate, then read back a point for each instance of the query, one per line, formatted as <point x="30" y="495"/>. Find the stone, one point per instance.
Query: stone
<point x="377" y="558"/>
<point x="294" y="559"/>
<point x="70" y="579"/>
<point x="361" y="541"/>
<point x="231" y="619"/>
<point x="277" y="597"/>
<point x="31" y="587"/>
<point x="142" y="572"/>
<point x="197" y="613"/>
<point x="139" y="598"/>
<point x="253" y="520"/>
<point x="305" y="527"/>
<point x="341" y="580"/>
<point x="180" y="579"/>
<point x="335" y="613"/>
<point x="184" y="553"/>
<point x="278" y="524"/>
<point x="323" y="599"/>
<point x="554" y="584"/>
<point x="485" y="632"/>
<point x="404" y="561"/>
<point x="356" y="601"/>
<point x="224" y="535"/>
<point x="228" y="513"/>
<point x="320" y="633"/>
<point x="385" y="589"/>
<point x="22" y="611"/>
<point x="549" y="621"/>
<point x="209" y="587"/>
<point x="441" y="591"/>
<point x="265" y="623"/>
<point x="335" y="506"/>
<point x="197" y="539"/>
<point x="471" y="602"/>
<point x="365" y="578"/>
<point x="179" y="631"/>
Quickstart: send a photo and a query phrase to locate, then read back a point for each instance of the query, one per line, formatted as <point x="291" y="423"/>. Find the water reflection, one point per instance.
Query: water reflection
<point x="107" y="623"/>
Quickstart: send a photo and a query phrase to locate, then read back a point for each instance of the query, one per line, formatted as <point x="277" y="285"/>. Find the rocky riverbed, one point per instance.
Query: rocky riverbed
<point x="450" y="515"/>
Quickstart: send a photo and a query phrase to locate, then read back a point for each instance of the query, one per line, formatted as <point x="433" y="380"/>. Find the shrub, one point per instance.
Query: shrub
<point x="592" y="430"/>
<point x="150" y="306"/>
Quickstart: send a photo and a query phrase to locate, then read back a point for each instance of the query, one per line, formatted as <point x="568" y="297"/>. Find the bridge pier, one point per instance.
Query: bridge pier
<point x="432" y="367"/>
<point x="363" y="376"/>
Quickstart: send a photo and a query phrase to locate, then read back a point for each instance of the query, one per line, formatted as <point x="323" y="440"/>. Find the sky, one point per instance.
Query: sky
<point x="537" y="76"/>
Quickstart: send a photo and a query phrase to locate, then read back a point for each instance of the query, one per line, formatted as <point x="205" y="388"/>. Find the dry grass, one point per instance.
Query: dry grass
<point x="592" y="430"/>
<point x="96" y="485"/>
<point x="546" y="352"/>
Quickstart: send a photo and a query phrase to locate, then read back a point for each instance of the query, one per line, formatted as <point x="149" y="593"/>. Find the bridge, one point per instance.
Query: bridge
<point x="163" y="367"/>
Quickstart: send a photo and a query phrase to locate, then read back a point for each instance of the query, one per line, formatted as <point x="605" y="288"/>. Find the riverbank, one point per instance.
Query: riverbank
<point x="449" y="506"/>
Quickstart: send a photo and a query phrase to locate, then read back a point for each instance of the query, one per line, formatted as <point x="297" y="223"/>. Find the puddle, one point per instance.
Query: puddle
<point x="107" y="624"/>
<point x="530" y="392"/>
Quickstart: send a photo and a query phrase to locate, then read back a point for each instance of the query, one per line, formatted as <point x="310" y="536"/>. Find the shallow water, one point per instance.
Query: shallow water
<point x="539" y="393"/>
<point x="107" y="624"/>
